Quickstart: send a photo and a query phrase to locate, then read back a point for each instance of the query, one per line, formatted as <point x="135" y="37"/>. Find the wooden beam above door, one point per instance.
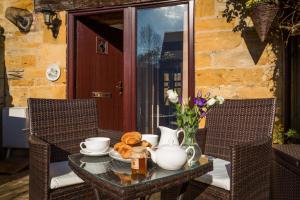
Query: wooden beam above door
<point x="60" y="5"/>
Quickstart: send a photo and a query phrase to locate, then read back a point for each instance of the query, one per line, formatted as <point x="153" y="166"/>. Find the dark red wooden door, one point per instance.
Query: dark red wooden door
<point x="99" y="73"/>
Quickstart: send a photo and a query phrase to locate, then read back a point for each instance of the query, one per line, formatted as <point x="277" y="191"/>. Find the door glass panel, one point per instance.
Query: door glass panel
<point x="162" y="63"/>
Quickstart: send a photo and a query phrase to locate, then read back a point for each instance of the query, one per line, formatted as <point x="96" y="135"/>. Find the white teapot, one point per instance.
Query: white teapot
<point x="169" y="157"/>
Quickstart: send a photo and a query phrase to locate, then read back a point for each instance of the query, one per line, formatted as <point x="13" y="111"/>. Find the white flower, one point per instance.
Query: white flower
<point x="172" y="96"/>
<point x="220" y="99"/>
<point x="211" y="102"/>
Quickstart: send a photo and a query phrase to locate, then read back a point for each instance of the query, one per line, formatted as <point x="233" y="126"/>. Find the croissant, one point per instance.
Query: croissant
<point x="123" y="149"/>
<point x="131" y="138"/>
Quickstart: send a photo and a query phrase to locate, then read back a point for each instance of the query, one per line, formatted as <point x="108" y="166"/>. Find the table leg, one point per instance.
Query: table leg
<point x="183" y="191"/>
<point x="177" y="192"/>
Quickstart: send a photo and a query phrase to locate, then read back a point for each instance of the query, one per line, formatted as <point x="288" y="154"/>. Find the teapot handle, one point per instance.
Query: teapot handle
<point x="177" y="135"/>
<point x="189" y="162"/>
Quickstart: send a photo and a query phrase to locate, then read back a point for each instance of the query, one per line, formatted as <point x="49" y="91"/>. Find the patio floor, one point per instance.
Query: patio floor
<point x="14" y="187"/>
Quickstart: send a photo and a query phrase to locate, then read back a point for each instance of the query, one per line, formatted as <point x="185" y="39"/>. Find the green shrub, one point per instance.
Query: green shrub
<point x="278" y="133"/>
<point x="292" y="136"/>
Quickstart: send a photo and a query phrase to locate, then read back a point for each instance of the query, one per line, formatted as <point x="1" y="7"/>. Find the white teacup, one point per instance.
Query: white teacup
<point x="151" y="138"/>
<point x="95" y="144"/>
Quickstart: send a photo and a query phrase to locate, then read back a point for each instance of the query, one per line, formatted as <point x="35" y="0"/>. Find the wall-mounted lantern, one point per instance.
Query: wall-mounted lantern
<point x="52" y="21"/>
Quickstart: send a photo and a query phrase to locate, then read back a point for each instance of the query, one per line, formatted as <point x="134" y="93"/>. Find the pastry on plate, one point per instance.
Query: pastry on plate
<point x="132" y="138"/>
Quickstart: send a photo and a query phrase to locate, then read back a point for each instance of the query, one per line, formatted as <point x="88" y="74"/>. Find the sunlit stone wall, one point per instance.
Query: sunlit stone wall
<point x="226" y="63"/>
<point x="28" y="55"/>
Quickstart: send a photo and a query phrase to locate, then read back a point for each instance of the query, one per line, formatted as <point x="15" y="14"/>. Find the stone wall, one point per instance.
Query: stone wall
<point x="28" y="55"/>
<point x="225" y="64"/>
<point x="228" y="63"/>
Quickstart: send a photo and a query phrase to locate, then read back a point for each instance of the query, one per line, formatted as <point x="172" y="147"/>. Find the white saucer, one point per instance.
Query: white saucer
<point x="87" y="153"/>
<point x="115" y="155"/>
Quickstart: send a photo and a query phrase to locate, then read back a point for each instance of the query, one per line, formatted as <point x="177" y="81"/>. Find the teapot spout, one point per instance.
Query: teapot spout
<point x="152" y="154"/>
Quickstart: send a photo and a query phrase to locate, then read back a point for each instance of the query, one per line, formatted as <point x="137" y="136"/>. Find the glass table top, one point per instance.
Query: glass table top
<point x="119" y="174"/>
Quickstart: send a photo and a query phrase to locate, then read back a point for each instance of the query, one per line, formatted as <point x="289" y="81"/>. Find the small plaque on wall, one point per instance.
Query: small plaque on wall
<point x="102" y="46"/>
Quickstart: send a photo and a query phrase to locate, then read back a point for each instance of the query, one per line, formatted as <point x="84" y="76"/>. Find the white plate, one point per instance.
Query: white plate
<point x="53" y="72"/>
<point x="87" y="153"/>
<point x="115" y="155"/>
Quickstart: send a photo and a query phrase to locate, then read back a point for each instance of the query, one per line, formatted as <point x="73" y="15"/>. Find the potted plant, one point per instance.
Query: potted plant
<point x="262" y="13"/>
<point x="189" y="116"/>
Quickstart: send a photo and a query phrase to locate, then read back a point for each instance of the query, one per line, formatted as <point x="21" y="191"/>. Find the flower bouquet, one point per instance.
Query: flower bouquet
<point x="189" y="116"/>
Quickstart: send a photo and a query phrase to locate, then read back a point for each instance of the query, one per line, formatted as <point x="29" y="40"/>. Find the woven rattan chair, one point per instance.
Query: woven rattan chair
<point x="239" y="131"/>
<point x="56" y="129"/>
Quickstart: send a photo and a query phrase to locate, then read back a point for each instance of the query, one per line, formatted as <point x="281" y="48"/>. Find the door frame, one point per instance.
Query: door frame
<point x="129" y="52"/>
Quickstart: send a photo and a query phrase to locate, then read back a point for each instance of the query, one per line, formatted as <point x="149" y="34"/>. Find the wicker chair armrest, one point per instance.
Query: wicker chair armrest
<point x="250" y="169"/>
<point x="39" y="168"/>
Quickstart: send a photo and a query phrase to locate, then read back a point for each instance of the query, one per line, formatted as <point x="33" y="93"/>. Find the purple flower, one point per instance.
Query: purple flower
<point x="180" y="99"/>
<point x="202" y="113"/>
<point x="200" y="102"/>
<point x="199" y="94"/>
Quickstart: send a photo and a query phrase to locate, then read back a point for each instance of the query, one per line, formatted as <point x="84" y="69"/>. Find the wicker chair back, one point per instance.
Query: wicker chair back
<point x="63" y="124"/>
<point x="238" y="121"/>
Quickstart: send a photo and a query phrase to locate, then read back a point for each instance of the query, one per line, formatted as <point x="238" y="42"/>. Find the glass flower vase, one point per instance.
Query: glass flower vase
<point x="191" y="146"/>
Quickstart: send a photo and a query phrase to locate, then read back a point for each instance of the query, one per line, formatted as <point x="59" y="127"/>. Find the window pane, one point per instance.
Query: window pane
<point x="162" y="53"/>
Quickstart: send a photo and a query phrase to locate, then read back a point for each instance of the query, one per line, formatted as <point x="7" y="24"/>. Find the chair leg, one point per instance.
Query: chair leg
<point x="97" y="195"/>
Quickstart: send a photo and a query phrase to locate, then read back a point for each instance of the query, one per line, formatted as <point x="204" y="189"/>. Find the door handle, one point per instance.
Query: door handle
<point x="119" y="86"/>
<point x="101" y="94"/>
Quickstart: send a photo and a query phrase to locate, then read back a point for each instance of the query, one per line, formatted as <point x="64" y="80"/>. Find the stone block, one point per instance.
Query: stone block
<point x="220" y="7"/>
<point x="202" y="60"/>
<point x="255" y="92"/>
<point x="238" y="57"/>
<point x="21" y="83"/>
<point x="17" y="40"/>
<point x="216" y="41"/>
<point x="238" y="92"/>
<point x="204" y="8"/>
<point x="206" y="24"/>
<point x="268" y="56"/>
<point x="1" y="8"/>
<point x="13" y="61"/>
<point x="19" y="96"/>
<point x="56" y="92"/>
<point x="28" y="60"/>
<point x="52" y="53"/>
<point x="228" y="92"/>
<point x="34" y="72"/>
<point x="25" y="4"/>
<point x="235" y="76"/>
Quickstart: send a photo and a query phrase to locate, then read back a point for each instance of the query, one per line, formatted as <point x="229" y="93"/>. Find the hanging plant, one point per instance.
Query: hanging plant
<point x="252" y="3"/>
<point x="262" y="13"/>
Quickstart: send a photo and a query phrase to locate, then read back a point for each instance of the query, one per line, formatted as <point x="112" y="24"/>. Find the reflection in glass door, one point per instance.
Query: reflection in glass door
<point x="162" y="63"/>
